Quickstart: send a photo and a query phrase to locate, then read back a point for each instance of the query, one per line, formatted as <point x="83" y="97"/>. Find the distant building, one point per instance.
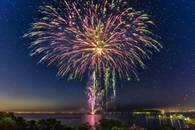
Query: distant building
<point x="148" y="112"/>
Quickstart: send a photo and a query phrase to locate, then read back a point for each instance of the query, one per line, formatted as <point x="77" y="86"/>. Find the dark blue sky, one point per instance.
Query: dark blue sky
<point x="167" y="82"/>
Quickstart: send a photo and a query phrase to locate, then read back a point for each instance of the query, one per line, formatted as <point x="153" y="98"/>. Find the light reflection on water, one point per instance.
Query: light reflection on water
<point x="92" y="120"/>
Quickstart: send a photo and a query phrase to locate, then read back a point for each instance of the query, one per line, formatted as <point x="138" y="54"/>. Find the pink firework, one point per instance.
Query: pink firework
<point x="94" y="96"/>
<point x="83" y="36"/>
<point x="79" y="35"/>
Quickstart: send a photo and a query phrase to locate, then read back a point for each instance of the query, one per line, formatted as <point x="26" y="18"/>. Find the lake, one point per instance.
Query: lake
<point x="146" y="121"/>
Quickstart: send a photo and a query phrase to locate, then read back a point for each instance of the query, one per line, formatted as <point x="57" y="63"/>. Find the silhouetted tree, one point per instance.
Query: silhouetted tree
<point x="7" y="123"/>
<point x="106" y="124"/>
<point x="84" y="127"/>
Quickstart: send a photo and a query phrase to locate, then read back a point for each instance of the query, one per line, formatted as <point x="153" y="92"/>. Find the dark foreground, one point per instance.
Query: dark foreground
<point x="10" y="122"/>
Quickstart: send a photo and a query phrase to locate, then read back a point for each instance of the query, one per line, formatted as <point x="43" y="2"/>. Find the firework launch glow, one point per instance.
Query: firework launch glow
<point x="94" y="95"/>
<point x="105" y="36"/>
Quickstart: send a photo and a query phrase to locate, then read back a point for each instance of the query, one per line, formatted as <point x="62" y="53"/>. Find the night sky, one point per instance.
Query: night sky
<point x="167" y="82"/>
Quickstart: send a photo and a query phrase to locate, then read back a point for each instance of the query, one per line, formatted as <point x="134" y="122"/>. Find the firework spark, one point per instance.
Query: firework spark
<point x="81" y="36"/>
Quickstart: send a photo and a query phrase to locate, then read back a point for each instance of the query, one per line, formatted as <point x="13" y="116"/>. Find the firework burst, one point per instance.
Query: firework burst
<point x="102" y="35"/>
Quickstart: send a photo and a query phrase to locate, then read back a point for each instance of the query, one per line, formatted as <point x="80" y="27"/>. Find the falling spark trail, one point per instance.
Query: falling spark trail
<point x="94" y="95"/>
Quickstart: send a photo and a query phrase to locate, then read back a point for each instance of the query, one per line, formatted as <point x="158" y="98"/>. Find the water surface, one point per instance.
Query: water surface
<point x="126" y="118"/>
